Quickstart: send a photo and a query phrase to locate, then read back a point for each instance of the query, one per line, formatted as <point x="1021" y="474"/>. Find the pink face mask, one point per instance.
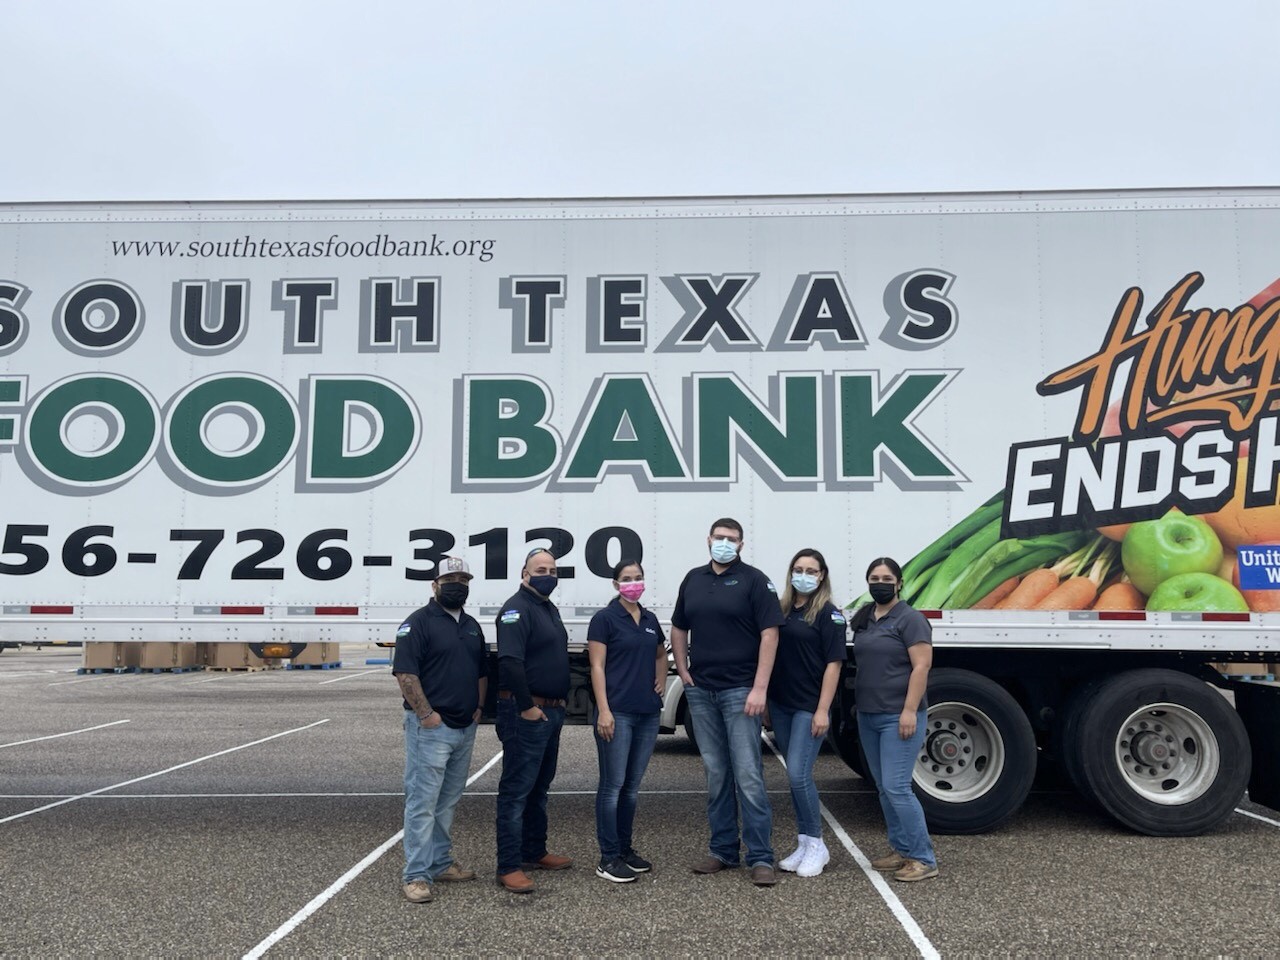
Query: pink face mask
<point x="631" y="591"/>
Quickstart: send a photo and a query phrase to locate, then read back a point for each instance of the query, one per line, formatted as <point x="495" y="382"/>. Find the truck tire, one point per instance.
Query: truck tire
<point x="1163" y="753"/>
<point x="979" y="756"/>
<point x="1064" y="740"/>
<point x="849" y="748"/>
<point x="687" y="723"/>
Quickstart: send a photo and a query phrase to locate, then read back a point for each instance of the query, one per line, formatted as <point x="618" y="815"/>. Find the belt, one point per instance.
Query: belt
<point x="537" y="701"/>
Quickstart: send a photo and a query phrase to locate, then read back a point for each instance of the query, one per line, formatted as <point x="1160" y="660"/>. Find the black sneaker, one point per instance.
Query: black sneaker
<point x="615" y="870"/>
<point x="637" y="863"/>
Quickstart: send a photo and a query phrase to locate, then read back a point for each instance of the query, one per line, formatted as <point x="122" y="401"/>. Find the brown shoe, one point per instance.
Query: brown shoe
<point x="762" y="875"/>
<point x="417" y="891"/>
<point x="515" y="882"/>
<point x="891" y="861"/>
<point x="456" y="874"/>
<point x="712" y="865"/>
<point x="549" y="861"/>
<point x="915" y="870"/>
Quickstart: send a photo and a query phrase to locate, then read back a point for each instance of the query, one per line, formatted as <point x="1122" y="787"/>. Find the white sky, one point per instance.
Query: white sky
<point x="278" y="99"/>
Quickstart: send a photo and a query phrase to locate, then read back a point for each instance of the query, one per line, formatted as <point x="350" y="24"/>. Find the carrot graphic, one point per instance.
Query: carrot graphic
<point x="996" y="595"/>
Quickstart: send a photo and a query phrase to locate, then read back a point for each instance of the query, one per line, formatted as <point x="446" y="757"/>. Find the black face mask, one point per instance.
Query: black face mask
<point x="882" y="592"/>
<point x="453" y="595"/>
<point x="543" y="583"/>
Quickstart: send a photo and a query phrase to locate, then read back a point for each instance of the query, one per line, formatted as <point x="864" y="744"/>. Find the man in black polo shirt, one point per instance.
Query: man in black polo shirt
<point x="533" y="682"/>
<point x="440" y="666"/>
<point x="731" y="612"/>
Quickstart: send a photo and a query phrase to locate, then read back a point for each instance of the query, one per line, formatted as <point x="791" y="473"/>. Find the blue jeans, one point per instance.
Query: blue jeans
<point x="530" y="750"/>
<point x="622" y="764"/>
<point x="791" y="728"/>
<point x="891" y="760"/>
<point x="436" y="761"/>
<point x="730" y="744"/>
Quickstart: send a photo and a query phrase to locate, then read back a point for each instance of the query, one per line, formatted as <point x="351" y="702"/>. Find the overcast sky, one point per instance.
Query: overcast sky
<point x="278" y="99"/>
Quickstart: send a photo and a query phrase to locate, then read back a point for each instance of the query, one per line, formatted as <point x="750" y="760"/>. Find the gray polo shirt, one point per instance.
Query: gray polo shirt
<point x="884" y="666"/>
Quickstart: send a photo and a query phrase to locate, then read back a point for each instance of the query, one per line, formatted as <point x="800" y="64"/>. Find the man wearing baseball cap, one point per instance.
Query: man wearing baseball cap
<point x="440" y="664"/>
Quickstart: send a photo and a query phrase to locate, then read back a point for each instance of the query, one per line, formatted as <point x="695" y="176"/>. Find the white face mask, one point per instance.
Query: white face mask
<point x="723" y="551"/>
<point x="804" y="583"/>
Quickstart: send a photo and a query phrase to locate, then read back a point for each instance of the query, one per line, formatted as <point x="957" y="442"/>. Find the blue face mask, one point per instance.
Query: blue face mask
<point x="723" y="551"/>
<point x="804" y="583"/>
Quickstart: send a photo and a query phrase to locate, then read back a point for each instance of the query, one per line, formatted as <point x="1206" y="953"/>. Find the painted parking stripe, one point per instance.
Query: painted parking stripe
<point x="69" y="733"/>
<point x="96" y="676"/>
<point x="321" y="899"/>
<point x="900" y="912"/>
<point x="349" y="676"/>
<point x="375" y="793"/>
<point x="1258" y="816"/>
<point x="159" y="773"/>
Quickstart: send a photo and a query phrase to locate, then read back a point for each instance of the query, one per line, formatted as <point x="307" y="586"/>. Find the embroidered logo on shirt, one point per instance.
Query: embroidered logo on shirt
<point x="729" y="583"/>
<point x="837" y="617"/>
<point x="772" y="588"/>
<point x="650" y="630"/>
<point x="403" y="631"/>
<point x="510" y="616"/>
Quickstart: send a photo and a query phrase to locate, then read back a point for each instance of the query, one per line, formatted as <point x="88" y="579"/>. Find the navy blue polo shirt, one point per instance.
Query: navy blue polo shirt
<point x="448" y="658"/>
<point x="884" y="666"/>
<point x="725" y="614"/>
<point x="533" y="649"/>
<point x="631" y="652"/>
<point x="804" y="650"/>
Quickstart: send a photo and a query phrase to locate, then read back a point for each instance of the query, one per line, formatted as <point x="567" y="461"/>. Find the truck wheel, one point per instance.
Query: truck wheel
<point x="1163" y="753"/>
<point x="979" y="755"/>
<point x="849" y="748"/>
<point x="1065" y="737"/>
<point x="687" y="723"/>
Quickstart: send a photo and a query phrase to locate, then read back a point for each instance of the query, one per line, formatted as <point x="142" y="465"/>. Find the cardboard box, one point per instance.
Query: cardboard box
<point x="232" y="656"/>
<point x="317" y="653"/>
<point x="111" y="656"/>
<point x="1242" y="669"/>
<point x="168" y="656"/>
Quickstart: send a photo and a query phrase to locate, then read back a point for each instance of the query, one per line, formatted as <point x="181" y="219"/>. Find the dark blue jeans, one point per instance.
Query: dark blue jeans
<point x="730" y="744"/>
<point x="530" y="749"/>
<point x="622" y="764"/>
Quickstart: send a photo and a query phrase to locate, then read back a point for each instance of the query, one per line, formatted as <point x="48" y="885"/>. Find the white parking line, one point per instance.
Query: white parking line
<point x="207" y="679"/>
<point x="55" y="736"/>
<point x="1258" y="816"/>
<point x="27" y="673"/>
<point x="900" y="912"/>
<point x="349" y="676"/>
<point x="158" y="773"/>
<point x="374" y="793"/>
<point x="96" y="676"/>
<point x="320" y="900"/>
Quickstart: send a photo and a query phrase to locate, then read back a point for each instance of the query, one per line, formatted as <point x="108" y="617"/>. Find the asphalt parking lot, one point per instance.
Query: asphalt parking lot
<point x="232" y="814"/>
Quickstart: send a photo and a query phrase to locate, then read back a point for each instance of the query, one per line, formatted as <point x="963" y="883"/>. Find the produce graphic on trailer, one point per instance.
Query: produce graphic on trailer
<point x="1165" y="472"/>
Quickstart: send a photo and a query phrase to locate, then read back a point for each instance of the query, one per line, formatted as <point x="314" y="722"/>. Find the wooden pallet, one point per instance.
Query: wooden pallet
<point x="109" y="670"/>
<point x="255" y="668"/>
<point x="333" y="665"/>
<point x="188" y="669"/>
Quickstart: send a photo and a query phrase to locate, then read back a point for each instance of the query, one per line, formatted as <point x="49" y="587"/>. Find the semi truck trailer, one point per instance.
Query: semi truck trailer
<point x="266" y="423"/>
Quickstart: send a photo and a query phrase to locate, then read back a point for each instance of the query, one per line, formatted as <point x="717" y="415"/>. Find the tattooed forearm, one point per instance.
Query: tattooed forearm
<point x="411" y="687"/>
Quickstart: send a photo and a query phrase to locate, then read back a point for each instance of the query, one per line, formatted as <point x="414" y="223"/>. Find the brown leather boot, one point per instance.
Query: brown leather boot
<point x="549" y="861"/>
<point x="517" y="881"/>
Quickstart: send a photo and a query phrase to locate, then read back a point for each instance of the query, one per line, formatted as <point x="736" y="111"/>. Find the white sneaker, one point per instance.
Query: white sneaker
<point x="816" y="857"/>
<point x="790" y="863"/>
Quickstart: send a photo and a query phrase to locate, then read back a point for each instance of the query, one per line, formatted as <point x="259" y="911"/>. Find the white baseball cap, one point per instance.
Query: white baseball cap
<point x="453" y="565"/>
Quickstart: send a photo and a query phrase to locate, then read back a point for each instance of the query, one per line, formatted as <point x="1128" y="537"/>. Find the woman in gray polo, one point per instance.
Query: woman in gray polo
<point x="893" y="650"/>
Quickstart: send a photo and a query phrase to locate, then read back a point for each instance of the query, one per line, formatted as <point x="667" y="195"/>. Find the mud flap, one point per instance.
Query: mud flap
<point x="1259" y="707"/>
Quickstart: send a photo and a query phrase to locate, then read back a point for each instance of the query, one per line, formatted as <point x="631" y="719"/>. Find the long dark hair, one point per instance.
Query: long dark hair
<point x="862" y="616"/>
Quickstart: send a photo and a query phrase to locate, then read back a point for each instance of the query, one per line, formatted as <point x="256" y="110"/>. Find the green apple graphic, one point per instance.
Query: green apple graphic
<point x="1155" y="550"/>
<point x="1197" y="591"/>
